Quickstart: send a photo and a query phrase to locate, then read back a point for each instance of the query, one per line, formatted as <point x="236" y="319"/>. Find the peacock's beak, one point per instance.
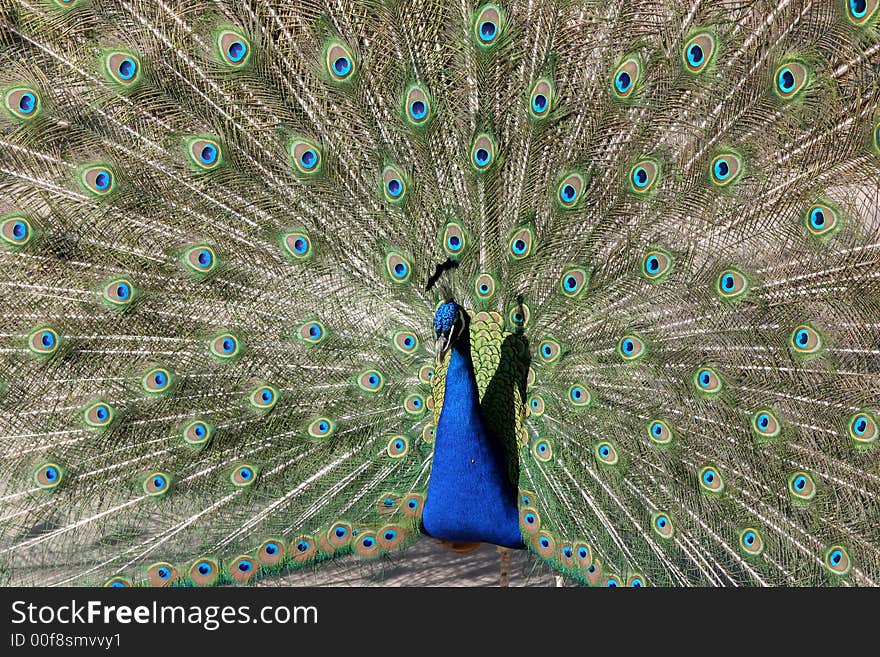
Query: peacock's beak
<point x="443" y="343"/>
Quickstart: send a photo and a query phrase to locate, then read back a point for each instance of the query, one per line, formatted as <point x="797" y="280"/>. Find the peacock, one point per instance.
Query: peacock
<point x="285" y="281"/>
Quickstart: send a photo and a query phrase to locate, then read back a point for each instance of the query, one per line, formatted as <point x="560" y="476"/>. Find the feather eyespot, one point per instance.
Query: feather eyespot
<point x="48" y="475"/>
<point x="157" y="484"/>
<point x="659" y="433"/>
<point x="398" y="267"/>
<point x="626" y="77"/>
<point x="570" y="190"/>
<point x="631" y="348"/>
<point x="428" y="433"/>
<point x="662" y="525"/>
<point x="790" y="79"/>
<point x="22" y="102"/>
<point x="398" y="447"/>
<point x="542" y="450"/>
<point x="98" y="180"/>
<point x="822" y="220"/>
<point x="837" y="560"/>
<point x="242" y="569"/>
<point x="157" y="380"/>
<point x="271" y="552"/>
<point x="731" y="285"/>
<point x="519" y="316"/>
<point x="371" y="381"/>
<point x="573" y="282"/>
<point x="529" y="520"/>
<point x="725" y="168"/>
<point x="124" y="68"/>
<point x="708" y="382"/>
<point x="406" y="342"/>
<point x="118" y="582"/>
<point x="549" y="351"/>
<point x="710" y="480"/>
<point x="454" y="240"/>
<point x="340" y="62"/>
<point x="263" y="397"/>
<point x="198" y="433"/>
<point x="417" y="106"/>
<point x="482" y="153"/>
<point x="520" y="244"/>
<point x="606" y="453"/>
<point x="339" y="535"/>
<point x="698" y="52"/>
<point x="579" y="396"/>
<point x="243" y="475"/>
<point x="322" y="428"/>
<point x="306" y="156"/>
<point x="200" y="259"/>
<point x="488" y="24"/>
<point x="393" y="185"/>
<point x="98" y="415"/>
<point x="412" y="505"/>
<point x="205" y="153"/>
<point x="204" y="572"/>
<point x="806" y="341"/>
<point x="119" y="292"/>
<point x="366" y="545"/>
<point x="484" y="286"/>
<point x="298" y="245"/>
<point x="862" y="428"/>
<point x="426" y="373"/>
<point x="234" y="48"/>
<point x="536" y="406"/>
<point x="751" y="542"/>
<point x="414" y="404"/>
<point x="391" y="537"/>
<point x="15" y="231"/>
<point x="765" y="424"/>
<point x="861" y="12"/>
<point x="541" y="99"/>
<point x="657" y="265"/>
<point x="225" y="346"/>
<point x="644" y="176"/>
<point x="544" y="544"/>
<point x="162" y="574"/>
<point x="801" y="487"/>
<point x="43" y="341"/>
<point x="312" y="333"/>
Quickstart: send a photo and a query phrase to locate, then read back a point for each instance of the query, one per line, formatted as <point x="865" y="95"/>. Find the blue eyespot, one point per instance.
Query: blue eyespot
<point x="368" y="542"/>
<point x="539" y="103"/>
<point x="835" y="557"/>
<point x="323" y="426"/>
<point x="236" y="51"/>
<point x="390" y="535"/>
<point x="341" y="532"/>
<point x="705" y="379"/>
<point x="577" y="394"/>
<point x="394" y="187"/>
<point x="817" y="218"/>
<point x="163" y="573"/>
<point x="858" y="8"/>
<point x="662" y="522"/>
<point x="519" y="247"/>
<point x="19" y="231"/>
<point x="204" y="568"/>
<point x="342" y="65"/>
<point x="530" y="518"/>
<point x="749" y="537"/>
<point x="47" y="340"/>
<point x="481" y="157"/>
<point x="786" y="80"/>
<point x="51" y="473"/>
<point x="488" y="30"/>
<point x="640" y="177"/>
<point x="799" y="482"/>
<point x="27" y="103"/>
<point x="623" y="82"/>
<point x="627" y="346"/>
<point x="695" y="54"/>
<point x="802" y="337"/>
<point x="102" y="181"/>
<point x="547" y="350"/>
<point x="244" y="565"/>
<point x="271" y="549"/>
<point x="127" y="68"/>
<point x="568" y="193"/>
<point x="708" y="477"/>
<point x="302" y="546"/>
<point x="722" y="169"/>
<point x="308" y="159"/>
<point x="418" y="109"/>
<point x="228" y="345"/>
<point x="208" y="154"/>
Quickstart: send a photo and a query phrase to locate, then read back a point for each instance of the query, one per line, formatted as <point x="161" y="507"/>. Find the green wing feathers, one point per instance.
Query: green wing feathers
<point x="217" y="221"/>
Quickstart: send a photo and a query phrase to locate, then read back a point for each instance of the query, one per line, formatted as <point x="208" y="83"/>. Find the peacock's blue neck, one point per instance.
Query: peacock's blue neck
<point x="470" y="496"/>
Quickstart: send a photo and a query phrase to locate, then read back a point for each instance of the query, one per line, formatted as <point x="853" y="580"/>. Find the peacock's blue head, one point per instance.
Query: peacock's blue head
<point x="449" y="324"/>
